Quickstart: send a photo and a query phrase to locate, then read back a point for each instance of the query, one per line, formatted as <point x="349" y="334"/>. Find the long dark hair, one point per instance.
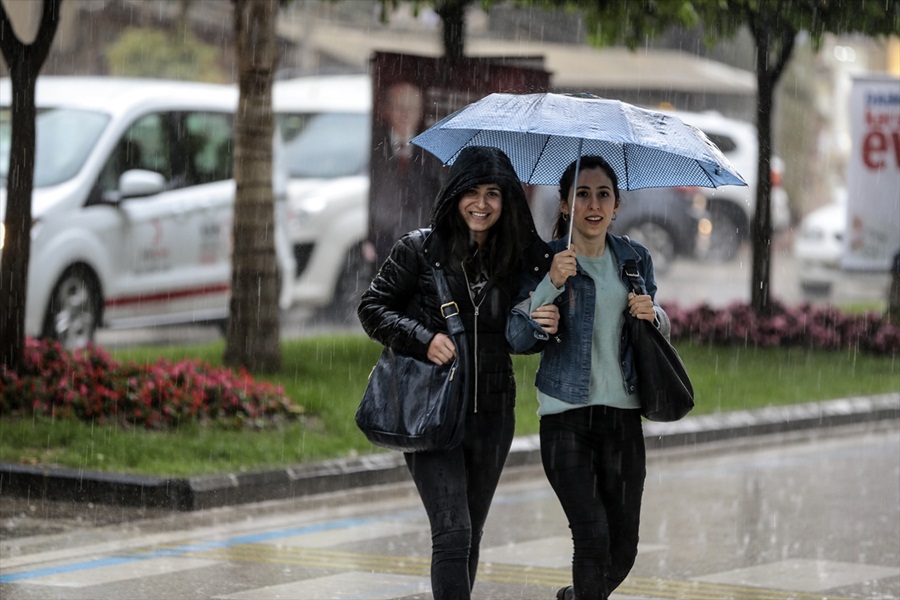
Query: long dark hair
<point x="568" y="180"/>
<point x="502" y="253"/>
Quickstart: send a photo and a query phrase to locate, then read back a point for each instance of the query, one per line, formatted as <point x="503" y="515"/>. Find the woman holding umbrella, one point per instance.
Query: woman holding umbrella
<point x="483" y="235"/>
<point x="592" y="443"/>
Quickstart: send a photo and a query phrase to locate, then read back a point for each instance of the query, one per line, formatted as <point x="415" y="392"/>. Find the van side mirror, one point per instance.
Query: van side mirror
<point x="135" y="183"/>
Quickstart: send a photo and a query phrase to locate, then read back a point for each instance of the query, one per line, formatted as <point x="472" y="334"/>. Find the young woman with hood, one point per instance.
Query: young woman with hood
<point x="483" y="236"/>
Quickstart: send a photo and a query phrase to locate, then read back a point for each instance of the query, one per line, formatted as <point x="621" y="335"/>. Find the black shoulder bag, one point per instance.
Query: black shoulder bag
<point x="664" y="388"/>
<point x="414" y="405"/>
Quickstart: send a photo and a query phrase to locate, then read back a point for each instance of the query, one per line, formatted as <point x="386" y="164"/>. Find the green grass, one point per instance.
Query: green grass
<point x="327" y="376"/>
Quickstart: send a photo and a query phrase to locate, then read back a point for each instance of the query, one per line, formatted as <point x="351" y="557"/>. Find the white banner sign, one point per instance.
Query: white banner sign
<point x="873" y="174"/>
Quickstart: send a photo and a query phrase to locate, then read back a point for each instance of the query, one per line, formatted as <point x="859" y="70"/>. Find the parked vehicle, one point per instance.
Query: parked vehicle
<point x="666" y="220"/>
<point x="326" y="125"/>
<point x="732" y="208"/>
<point x="819" y="246"/>
<point x="132" y="205"/>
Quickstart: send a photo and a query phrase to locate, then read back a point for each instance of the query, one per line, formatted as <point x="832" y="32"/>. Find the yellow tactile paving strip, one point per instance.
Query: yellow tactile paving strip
<point x="494" y="572"/>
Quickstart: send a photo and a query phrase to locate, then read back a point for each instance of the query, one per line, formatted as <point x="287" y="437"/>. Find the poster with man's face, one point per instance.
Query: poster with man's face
<point x="411" y="93"/>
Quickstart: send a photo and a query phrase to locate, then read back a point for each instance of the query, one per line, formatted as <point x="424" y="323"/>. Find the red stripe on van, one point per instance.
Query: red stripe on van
<point x="165" y="296"/>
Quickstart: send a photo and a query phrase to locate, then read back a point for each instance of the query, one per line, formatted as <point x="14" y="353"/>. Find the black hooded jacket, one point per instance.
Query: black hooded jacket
<point x="401" y="309"/>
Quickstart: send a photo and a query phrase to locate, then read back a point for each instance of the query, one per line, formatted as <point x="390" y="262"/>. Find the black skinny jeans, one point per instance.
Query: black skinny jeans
<point x="457" y="487"/>
<point x="595" y="461"/>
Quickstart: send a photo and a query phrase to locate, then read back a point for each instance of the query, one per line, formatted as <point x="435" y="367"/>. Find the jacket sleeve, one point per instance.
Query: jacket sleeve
<point x="384" y="307"/>
<point x="523" y="334"/>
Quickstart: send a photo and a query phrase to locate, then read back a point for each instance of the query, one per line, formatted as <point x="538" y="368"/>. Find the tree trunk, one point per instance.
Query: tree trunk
<point x="893" y="301"/>
<point x="253" y="334"/>
<point x="780" y="43"/>
<point x="453" y="13"/>
<point x="24" y="62"/>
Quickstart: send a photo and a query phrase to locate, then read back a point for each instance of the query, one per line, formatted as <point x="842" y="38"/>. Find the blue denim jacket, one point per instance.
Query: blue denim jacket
<point x="565" y="368"/>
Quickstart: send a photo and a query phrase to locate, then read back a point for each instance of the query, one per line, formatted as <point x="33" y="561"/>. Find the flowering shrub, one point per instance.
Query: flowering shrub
<point x="807" y="326"/>
<point x="88" y="384"/>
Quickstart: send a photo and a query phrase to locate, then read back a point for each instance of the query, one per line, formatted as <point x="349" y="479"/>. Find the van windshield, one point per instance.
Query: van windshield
<point x="63" y="141"/>
<point x="325" y="145"/>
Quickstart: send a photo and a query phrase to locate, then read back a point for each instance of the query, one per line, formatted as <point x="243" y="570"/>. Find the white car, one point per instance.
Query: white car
<point x="326" y="125"/>
<point x="819" y="246"/>
<point x="132" y="205"/>
<point x="732" y="208"/>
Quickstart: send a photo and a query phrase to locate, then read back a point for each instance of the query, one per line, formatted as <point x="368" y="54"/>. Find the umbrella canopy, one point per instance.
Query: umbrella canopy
<point x="543" y="133"/>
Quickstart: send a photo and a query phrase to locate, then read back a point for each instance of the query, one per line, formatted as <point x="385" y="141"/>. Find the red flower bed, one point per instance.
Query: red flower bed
<point x="806" y="326"/>
<point x="90" y="385"/>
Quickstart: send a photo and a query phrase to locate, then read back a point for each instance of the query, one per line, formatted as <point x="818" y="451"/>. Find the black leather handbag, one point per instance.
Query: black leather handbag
<point x="664" y="388"/>
<point x="414" y="405"/>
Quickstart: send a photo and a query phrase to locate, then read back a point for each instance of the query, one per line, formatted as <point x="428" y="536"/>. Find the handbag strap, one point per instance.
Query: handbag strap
<point x="630" y="268"/>
<point x="449" y="308"/>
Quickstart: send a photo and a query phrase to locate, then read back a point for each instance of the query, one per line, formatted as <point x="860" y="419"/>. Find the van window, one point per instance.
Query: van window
<point x="143" y="146"/>
<point x="725" y="143"/>
<point x="208" y="144"/>
<point x="64" y="139"/>
<point x="325" y="145"/>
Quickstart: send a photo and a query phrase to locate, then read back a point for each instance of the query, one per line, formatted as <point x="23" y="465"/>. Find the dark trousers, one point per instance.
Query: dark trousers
<point x="456" y="488"/>
<point x="595" y="461"/>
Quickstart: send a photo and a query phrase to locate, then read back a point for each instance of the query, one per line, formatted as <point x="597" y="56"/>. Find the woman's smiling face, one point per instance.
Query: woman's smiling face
<point x="595" y="204"/>
<point x="480" y="207"/>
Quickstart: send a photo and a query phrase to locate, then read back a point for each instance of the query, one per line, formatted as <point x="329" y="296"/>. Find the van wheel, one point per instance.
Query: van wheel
<point x="353" y="280"/>
<point x="727" y="235"/>
<point x="73" y="313"/>
<point x="659" y="242"/>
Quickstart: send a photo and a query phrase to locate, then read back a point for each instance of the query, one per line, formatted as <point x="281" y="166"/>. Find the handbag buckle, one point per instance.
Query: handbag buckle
<point x="447" y="307"/>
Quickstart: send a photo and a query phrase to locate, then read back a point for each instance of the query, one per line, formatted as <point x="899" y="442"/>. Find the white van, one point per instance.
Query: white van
<point x="132" y="205"/>
<point x="326" y="124"/>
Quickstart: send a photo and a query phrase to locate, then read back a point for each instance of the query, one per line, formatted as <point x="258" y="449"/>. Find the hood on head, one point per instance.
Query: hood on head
<point x="474" y="166"/>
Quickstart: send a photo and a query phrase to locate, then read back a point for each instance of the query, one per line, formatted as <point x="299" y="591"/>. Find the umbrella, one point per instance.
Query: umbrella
<point x="543" y="133"/>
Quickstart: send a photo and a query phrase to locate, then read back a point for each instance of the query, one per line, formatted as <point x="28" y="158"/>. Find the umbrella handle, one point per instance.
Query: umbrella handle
<point x="574" y="192"/>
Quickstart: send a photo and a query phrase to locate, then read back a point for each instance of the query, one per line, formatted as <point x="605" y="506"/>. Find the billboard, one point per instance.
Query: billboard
<point x="873" y="174"/>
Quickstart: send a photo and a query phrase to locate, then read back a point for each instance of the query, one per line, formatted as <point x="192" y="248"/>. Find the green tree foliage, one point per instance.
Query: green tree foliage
<point x="150" y="52"/>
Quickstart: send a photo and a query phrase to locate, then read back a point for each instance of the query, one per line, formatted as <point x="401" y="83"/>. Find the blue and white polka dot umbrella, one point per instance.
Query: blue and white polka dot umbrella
<point x="544" y="133"/>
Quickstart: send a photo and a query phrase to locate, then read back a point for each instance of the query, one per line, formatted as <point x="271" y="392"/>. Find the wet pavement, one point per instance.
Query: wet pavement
<point x="800" y="515"/>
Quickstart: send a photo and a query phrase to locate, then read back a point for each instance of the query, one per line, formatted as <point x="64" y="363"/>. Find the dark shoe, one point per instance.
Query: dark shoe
<point x="566" y="593"/>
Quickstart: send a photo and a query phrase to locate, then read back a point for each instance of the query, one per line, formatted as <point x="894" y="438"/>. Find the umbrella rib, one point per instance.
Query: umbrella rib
<point x="537" y="161"/>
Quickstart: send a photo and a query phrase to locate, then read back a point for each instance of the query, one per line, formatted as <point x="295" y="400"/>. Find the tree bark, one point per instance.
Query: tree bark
<point x="776" y="39"/>
<point x="452" y="14"/>
<point x="24" y="62"/>
<point x="253" y="337"/>
<point x="893" y="300"/>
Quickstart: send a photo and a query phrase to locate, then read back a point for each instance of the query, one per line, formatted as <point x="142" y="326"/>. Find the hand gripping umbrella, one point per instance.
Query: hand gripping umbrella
<point x="543" y="133"/>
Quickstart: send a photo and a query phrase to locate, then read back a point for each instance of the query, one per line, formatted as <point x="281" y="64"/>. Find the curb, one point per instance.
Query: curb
<point x="198" y="493"/>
